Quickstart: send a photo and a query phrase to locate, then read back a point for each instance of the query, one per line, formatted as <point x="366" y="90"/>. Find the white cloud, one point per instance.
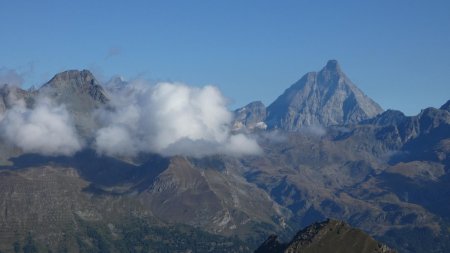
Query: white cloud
<point x="169" y="119"/>
<point x="46" y="129"/>
<point x="314" y="130"/>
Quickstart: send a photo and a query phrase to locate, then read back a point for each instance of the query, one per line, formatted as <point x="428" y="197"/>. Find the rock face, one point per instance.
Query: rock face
<point x="81" y="93"/>
<point x="78" y="91"/>
<point x="323" y="98"/>
<point x="251" y="116"/>
<point x="389" y="117"/>
<point x="395" y="126"/>
<point x="330" y="236"/>
<point x="74" y="82"/>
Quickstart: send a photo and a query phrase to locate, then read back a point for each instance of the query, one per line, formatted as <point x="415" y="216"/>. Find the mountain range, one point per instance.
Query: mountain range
<point x="327" y="151"/>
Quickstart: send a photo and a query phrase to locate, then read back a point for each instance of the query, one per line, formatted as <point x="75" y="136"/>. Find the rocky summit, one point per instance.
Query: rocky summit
<point x="250" y="117"/>
<point x="323" y="98"/>
<point x="80" y="93"/>
<point x="73" y="83"/>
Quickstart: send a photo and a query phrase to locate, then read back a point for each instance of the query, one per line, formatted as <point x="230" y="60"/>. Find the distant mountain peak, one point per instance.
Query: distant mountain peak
<point x="388" y="117"/>
<point x="250" y="117"/>
<point x="117" y="79"/>
<point x="81" y="93"/>
<point x="325" y="98"/>
<point x="71" y="82"/>
<point x="73" y="73"/>
<point x="82" y="77"/>
<point x="116" y="83"/>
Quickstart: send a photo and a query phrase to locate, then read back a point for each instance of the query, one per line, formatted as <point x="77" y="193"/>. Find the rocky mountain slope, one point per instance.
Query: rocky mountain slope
<point x="81" y="93"/>
<point x="78" y="91"/>
<point x="323" y="98"/>
<point x="92" y="204"/>
<point x="330" y="236"/>
<point x="250" y="117"/>
<point x="71" y="85"/>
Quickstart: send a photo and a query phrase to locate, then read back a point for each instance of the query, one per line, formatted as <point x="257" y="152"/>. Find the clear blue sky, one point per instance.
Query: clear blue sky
<point x="397" y="52"/>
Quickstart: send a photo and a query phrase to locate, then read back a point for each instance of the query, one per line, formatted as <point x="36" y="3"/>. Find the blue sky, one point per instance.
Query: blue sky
<point x="397" y="52"/>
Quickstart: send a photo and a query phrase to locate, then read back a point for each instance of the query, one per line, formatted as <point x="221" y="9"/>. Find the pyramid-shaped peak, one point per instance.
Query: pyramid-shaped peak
<point x="325" y="98"/>
<point x="332" y="65"/>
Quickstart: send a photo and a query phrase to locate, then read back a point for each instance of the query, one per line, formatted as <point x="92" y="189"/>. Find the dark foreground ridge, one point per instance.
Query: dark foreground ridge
<point x="329" y="236"/>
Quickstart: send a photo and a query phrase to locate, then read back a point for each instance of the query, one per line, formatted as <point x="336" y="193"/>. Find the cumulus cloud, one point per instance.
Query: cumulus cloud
<point x="46" y="129"/>
<point x="169" y="119"/>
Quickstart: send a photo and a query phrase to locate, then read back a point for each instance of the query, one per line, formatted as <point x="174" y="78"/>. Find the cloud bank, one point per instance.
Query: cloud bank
<point x="46" y="129"/>
<point x="169" y="119"/>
